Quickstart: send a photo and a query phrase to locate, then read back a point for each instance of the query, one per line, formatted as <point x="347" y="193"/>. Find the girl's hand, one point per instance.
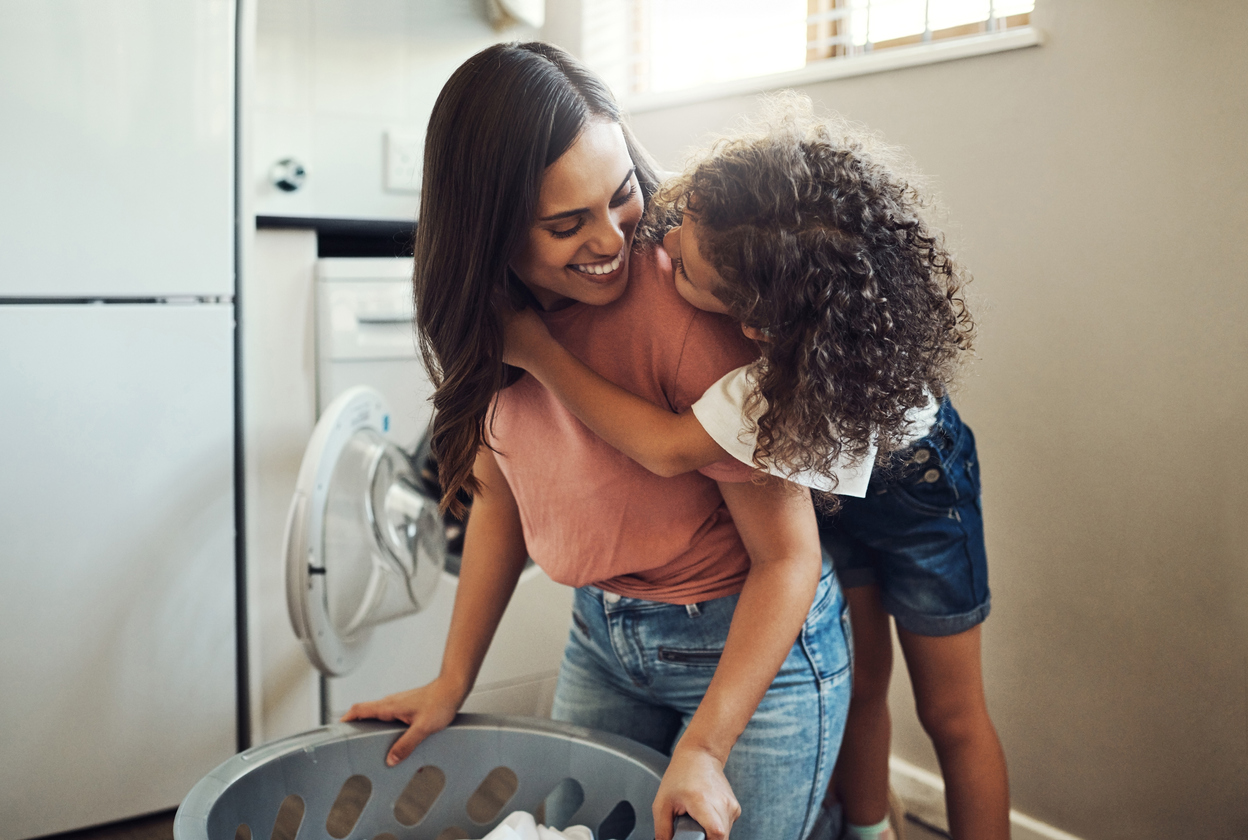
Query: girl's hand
<point x="425" y="710"/>
<point x="525" y="337"/>
<point x="695" y="784"/>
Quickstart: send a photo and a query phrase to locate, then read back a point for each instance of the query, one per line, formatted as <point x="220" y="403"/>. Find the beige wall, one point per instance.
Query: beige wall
<point x="1097" y="189"/>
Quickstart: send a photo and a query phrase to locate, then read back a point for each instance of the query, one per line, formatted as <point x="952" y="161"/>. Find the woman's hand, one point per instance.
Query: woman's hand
<point x="425" y="710"/>
<point x="526" y="338"/>
<point x="695" y="784"/>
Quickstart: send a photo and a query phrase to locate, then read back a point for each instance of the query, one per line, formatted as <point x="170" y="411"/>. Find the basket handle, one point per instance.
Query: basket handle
<point x="687" y="828"/>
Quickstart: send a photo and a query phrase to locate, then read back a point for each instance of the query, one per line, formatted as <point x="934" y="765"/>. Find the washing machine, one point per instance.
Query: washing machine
<point x="371" y="564"/>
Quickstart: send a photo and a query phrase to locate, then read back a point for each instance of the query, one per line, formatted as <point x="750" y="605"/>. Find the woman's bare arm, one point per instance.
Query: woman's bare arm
<point x="494" y="555"/>
<point x="666" y="444"/>
<point x="777" y="525"/>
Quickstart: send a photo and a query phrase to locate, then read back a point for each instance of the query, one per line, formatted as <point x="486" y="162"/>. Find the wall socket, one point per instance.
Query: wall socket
<point x="405" y="152"/>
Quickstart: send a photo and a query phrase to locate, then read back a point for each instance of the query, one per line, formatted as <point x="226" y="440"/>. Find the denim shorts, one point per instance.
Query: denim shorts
<point x="640" y="668"/>
<point x="919" y="534"/>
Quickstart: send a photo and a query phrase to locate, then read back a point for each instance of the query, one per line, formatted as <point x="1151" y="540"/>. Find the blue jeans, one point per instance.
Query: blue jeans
<point x="919" y="533"/>
<point x="640" y="668"/>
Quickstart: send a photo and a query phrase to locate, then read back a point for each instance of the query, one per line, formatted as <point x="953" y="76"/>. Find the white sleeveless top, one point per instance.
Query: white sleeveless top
<point x="721" y="411"/>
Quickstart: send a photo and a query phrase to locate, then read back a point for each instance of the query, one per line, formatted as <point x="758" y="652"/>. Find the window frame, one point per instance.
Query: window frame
<point x="817" y="70"/>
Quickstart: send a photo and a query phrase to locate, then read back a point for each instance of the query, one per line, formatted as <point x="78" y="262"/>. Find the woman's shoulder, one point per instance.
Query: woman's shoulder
<point x="650" y="273"/>
<point x="652" y="277"/>
<point x="652" y="288"/>
<point x="704" y="346"/>
<point x="683" y="349"/>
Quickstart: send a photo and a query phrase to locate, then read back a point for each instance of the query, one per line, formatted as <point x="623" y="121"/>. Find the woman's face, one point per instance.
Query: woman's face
<point x="589" y="207"/>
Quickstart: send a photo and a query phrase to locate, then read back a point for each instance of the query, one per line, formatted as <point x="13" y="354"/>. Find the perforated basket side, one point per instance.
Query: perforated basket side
<point x="249" y="789"/>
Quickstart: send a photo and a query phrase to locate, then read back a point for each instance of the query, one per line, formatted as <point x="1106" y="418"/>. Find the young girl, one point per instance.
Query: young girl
<point x="813" y="241"/>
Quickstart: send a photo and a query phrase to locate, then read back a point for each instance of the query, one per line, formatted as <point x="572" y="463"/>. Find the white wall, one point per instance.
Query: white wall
<point x="1099" y="192"/>
<point x="332" y="76"/>
<point x="279" y="409"/>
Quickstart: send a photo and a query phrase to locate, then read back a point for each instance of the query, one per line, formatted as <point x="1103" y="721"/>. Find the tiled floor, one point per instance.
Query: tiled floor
<point x="153" y="827"/>
<point x="917" y="831"/>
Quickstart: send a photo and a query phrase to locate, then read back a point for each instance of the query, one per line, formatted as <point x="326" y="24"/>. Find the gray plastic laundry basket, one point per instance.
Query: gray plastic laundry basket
<point x="332" y="783"/>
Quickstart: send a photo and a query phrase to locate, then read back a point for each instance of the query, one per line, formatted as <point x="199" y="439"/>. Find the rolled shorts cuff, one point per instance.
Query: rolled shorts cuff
<point x="935" y="625"/>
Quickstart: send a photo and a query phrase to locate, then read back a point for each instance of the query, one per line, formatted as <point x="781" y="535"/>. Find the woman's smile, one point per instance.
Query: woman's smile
<point x="601" y="270"/>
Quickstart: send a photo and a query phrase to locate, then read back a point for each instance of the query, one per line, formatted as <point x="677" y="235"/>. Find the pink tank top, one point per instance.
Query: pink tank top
<point x="594" y="516"/>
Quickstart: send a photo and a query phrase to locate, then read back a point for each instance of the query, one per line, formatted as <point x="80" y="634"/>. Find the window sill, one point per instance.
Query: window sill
<point x="822" y="71"/>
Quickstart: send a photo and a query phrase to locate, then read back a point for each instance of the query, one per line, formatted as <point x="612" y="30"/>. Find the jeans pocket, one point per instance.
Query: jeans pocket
<point x="847" y="628"/>
<point x="580" y="624"/>
<point x="934" y="498"/>
<point x="691" y="657"/>
<point x="972" y="472"/>
<point x="826" y="643"/>
<point x="823" y="599"/>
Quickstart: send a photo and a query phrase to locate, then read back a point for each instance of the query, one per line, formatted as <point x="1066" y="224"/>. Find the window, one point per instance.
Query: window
<point x="645" y="47"/>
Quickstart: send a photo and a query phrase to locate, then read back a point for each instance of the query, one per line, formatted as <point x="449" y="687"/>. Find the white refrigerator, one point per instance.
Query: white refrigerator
<point x="118" y="628"/>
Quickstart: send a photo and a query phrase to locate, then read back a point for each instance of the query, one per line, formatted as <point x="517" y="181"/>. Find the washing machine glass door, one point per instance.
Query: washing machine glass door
<point x="363" y="544"/>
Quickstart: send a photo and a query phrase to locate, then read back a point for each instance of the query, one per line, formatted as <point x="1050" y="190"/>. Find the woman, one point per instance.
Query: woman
<point x="704" y="624"/>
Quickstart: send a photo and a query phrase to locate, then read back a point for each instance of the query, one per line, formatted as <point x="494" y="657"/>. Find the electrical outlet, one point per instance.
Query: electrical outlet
<point x="405" y="152"/>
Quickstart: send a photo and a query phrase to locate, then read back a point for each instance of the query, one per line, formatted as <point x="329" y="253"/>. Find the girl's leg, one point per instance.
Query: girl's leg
<point x="949" y="695"/>
<point x="862" y="767"/>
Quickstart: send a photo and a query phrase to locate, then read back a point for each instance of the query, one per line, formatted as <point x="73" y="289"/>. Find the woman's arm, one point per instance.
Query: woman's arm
<point x="666" y="444"/>
<point x="777" y="525"/>
<point x="494" y="555"/>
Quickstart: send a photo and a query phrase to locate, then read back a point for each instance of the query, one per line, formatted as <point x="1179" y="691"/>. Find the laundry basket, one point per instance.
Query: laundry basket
<point x="332" y="783"/>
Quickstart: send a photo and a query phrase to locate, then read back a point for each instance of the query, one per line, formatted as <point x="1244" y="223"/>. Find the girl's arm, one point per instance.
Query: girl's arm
<point x="777" y="525"/>
<point x="494" y="555"/>
<point x="666" y="444"/>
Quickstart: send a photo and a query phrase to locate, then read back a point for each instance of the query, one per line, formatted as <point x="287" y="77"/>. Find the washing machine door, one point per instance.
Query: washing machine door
<point x="364" y="545"/>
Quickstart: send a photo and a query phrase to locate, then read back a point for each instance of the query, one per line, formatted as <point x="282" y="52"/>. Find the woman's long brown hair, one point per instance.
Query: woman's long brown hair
<point x="505" y="115"/>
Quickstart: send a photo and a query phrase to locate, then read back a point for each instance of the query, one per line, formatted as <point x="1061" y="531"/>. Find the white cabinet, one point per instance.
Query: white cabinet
<point x="118" y="677"/>
<point x="116" y="148"/>
<point x="117" y="619"/>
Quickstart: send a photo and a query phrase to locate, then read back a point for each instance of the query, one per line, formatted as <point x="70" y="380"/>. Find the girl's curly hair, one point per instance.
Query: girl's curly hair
<point x="820" y="237"/>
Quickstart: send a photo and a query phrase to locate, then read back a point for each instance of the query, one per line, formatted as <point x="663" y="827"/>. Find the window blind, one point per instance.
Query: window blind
<point x="651" y="46"/>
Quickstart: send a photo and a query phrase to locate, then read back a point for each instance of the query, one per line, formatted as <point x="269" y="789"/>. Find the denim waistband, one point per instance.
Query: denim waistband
<point x="948" y="433"/>
<point x="613" y="602"/>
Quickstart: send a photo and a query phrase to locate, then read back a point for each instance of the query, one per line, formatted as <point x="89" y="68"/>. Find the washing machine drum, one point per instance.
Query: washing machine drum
<point x="364" y="545"/>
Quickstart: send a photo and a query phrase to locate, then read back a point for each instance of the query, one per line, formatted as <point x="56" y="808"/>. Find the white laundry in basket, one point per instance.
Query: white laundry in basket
<point x="520" y="825"/>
